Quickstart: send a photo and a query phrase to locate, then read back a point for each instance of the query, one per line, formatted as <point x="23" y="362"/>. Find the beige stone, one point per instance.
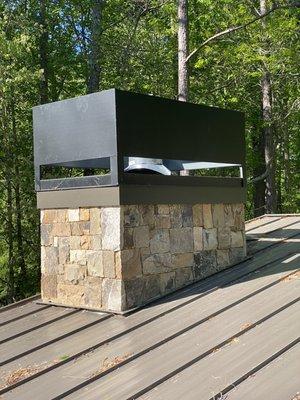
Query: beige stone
<point x="93" y="292"/>
<point x="218" y="215"/>
<point x="46" y="234"/>
<point x="108" y="259"/>
<point x="80" y="228"/>
<point x="141" y="236"/>
<point x="94" y="263"/>
<point x="181" y="260"/>
<point x="78" y="257"/>
<point x="49" y="287"/>
<point x="111" y="228"/>
<point x="197" y="215"/>
<point x="63" y="250"/>
<point x="223" y="258"/>
<point x="159" y="241"/>
<point x="183" y="276"/>
<point x="96" y="242"/>
<point x="85" y="242"/>
<point x="198" y="238"/>
<point x="75" y="242"/>
<point x="207" y="216"/>
<point x="73" y="214"/>
<point x="61" y="229"/>
<point x="48" y="216"/>
<point x="74" y="273"/>
<point x="176" y="215"/>
<point x="224" y="237"/>
<point x="113" y="295"/>
<point x="72" y="295"/>
<point x="181" y="240"/>
<point x="210" y="241"/>
<point x="61" y="215"/>
<point x="95" y="221"/>
<point x="49" y="260"/>
<point x="84" y="214"/>
<point x="167" y="282"/>
<point x="129" y="266"/>
<point x="229" y="220"/>
<point x="237" y="239"/>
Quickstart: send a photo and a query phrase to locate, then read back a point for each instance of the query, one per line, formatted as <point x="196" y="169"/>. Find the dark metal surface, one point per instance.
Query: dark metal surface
<point x="103" y="130"/>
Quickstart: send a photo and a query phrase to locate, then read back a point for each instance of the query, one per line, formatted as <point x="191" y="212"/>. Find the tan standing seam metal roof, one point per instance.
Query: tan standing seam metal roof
<point x="234" y="335"/>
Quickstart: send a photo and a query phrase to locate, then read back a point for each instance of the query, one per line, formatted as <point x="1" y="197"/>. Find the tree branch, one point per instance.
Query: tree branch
<point x="239" y="27"/>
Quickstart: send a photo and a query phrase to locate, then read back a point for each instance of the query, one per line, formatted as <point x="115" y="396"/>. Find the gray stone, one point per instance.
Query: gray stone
<point x="128" y="238"/>
<point x="237" y="255"/>
<point x="141" y="236"/>
<point x="147" y="215"/>
<point x="78" y="257"/>
<point x="142" y="290"/>
<point x="113" y="295"/>
<point x="181" y="240"/>
<point x="74" y="273"/>
<point x="198" y="238"/>
<point x="162" y="221"/>
<point x="49" y="287"/>
<point x="237" y="239"/>
<point x="205" y="263"/>
<point x="187" y="215"/>
<point x="210" y="241"/>
<point x="46" y="234"/>
<point x="130" y="264"/>
<point x="111" y="228"/>
<point x="109" y="268"/>
<point x="182" y="260"/>
<point x="159" y="241"/>
<point x="167" y="282"/>
<point x="224" y="237"/>
<point x="197" y="215"/>
<point x="176" y="215"/>
<point x="132" y="216"/>
<point x="218" y="215"/>
<point x="63" y="250"/>
<point x="223" y="258"/>
<point x="156" y="263"/>
<point x="229" y="220"/>
<point x="49" y="260"/>
<point x="207" y="216"/>
<point x="183" y="276"/>
<point x="163" y="209"/>
<point x="94" y="263"/>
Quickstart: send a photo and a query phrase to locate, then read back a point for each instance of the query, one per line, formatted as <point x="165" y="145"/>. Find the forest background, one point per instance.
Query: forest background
<point x="241" y="55"/>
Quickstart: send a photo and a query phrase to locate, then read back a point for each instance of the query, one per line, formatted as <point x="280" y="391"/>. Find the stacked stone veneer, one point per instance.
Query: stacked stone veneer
<point x="116" y="258"/>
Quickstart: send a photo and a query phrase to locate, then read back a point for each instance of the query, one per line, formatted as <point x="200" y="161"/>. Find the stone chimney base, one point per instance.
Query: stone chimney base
<point x="118" y="258"/>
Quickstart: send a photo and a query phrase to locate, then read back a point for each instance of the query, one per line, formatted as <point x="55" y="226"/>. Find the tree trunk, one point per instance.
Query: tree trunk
<point x="259" y="186"/>
<point x="93" y="81"/>
<point x="266" y="92"/>
<point x="183" y="78"/>
<point x="43" y="47"/>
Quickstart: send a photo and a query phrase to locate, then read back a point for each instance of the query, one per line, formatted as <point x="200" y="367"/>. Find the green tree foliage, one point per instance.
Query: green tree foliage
<point x="51" y="42"/>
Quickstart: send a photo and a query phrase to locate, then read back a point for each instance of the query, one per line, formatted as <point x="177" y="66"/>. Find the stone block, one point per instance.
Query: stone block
<point x="210" y="240"/>
<point x="218" y="215"/>
<point x="176" y="215"/>
<point x="205" y="263"/>
<point x="74" y="273"/>
<point x="84" y="214"/>
<point x="80" y="228"/>
<point x="85" y="242"/>
<point x="141" y="290"/>
<point x="229" y="220"/>
<point x="132" y="216"/>
<point x="73" y="214"/>
<point x="72" y="295"/>
<point x="113" y="295"/>
<point x="46" y="234"/>
<point x="48" y="216"/>
<point x="223" y="258"/>
<point x="75" y="242"/>
<point x="93" y="292"/>
<point x="238" y="216"/>
<point x="49" y="260"/>
<point x="162" y="221"/>
<point x="237" y="239"/>
<point x="95" y="221"/>
<point x="61" y="215"/>
<point x="78" y="257"/>
<point x="61" y="229"/>
<point x="96" y="242"/>
<point x="163" y="209"/>
<point x="167" y="282"/>
<point x="63" y="250"/>
<point x="181" y="260"/>
<point x="49" y="287"/>
<point x="207" y="216"/>
<point x="141" y="236"/>
<point x="156" y="263"/>
<point x="187" y="215"/>
<point x="183" y="276"/>
<point x="224" y="237"/>
<point x="147" y="215"/>
<point x="94" y="263"/>
<point x="181" y="240"/>
<point x="111" y="228"/>
<point x="159" y="241"/>
<point x="198" y="238"/>
<point x="197" y="215"/>
<point x="108" y="259"/>
<point x="129" y="264"/>
<point x="237" y="255"/>
<point x="128" y="238"/>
